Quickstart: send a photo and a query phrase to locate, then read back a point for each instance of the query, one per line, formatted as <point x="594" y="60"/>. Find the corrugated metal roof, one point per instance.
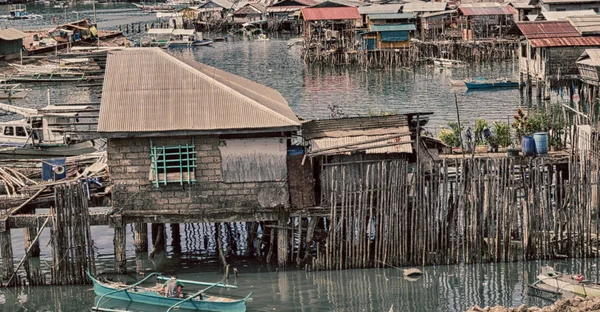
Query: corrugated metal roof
<point x="421" y="6"/>
<point x="545" y="29"/>
<point x="399" y="144"/>
<point x="586" y="25"/>
<point x="330" y="13"/>
<point x="562" y="15"/>
<point x="251" y="8"/>
<point x="149" y="90"/>
<point x="12" y="34"/>
<point x="450" y="12"/>
<point x="379" y="9"/>
<point x="565" y="42"/>
<point x="284" y="9"/>
<point x="390" y="16"/>
<point x="222" y="3"/>
<point x="590" y="57"/>
<point x="393" y="27"/>
<point x="522" y="4"/>
<point x="353" y="126"/>
<point x="294" y="3"/>
<point x="491" y="9"/>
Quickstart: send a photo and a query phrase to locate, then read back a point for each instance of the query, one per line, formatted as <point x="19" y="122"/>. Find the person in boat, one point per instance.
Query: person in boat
<point x="172" y="288"/>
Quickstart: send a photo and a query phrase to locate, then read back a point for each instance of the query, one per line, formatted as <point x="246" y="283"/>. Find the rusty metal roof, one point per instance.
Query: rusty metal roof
<point x="11" y="34"/>
<point x="341" y="127"/>
<point x="147" y="90"/>
<point x="330" y="14"/>
<point x="422" y="6"/>
<point x="586" y="25"/>
<point x="565" y="42"/>
<point x="491" y="8"/>
<point x="544" y="29"/>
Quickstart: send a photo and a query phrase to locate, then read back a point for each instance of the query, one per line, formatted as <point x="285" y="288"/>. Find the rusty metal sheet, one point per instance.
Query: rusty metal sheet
<point x="491" y="10"/>
<point x="565" y="42"/>
<point x="544" y="29"/>
<point x="330" y="14"/>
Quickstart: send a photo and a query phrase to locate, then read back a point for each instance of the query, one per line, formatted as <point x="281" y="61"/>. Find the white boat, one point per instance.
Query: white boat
<point x="45" y="132"/>
<point x="557" y="282"/>
<point x="442" y="62"/>
<point x="177" y="37"/>
<point x="19" y="11"/>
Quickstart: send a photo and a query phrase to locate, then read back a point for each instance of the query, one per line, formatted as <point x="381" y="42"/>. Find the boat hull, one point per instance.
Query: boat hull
<point x="152" y="298"/>
<point x="491" y="85"/>
<point x="24" y="152"/>
<point x="559" y="285"/>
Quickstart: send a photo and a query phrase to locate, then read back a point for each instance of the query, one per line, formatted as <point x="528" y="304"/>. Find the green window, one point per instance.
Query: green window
<point x="173" y="164"/>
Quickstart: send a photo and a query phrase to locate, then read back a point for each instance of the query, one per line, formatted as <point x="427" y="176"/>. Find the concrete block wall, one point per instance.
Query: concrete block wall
<point x="129" y="165"/>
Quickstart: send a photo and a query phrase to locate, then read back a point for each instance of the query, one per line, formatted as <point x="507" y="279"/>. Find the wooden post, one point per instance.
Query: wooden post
<point x="29" y="237"/>
<point x="140" y="237"/>
<point x="176" y="237"/>
<point x="282" y="240"/>
<point x="7" y="254"/>
<point x="120" y="249"/>
<point x="158" y="238"/>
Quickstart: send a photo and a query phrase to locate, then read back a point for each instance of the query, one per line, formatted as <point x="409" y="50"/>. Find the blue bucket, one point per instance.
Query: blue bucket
<point x="541" y="142"/>
<point x="528" y="146"/>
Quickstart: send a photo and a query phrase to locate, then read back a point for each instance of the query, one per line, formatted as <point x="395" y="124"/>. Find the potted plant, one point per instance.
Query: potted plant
<point x="450" y="135"/>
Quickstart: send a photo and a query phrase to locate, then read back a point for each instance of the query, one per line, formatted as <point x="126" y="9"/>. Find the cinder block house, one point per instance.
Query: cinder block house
<point x="192" y="142"/>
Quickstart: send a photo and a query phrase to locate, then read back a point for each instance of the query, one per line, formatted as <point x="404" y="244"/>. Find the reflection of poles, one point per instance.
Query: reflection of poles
<point x="94" y="9"/>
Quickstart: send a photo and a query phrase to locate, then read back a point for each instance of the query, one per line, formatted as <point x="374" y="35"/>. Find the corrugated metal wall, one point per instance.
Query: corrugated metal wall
<point x="10" y="47"/>
<point x="254" y="160"/>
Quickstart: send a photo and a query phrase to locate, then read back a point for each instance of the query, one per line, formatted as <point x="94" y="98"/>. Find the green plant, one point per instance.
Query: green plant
<point x="502" y="133"/>
<point x="451" y="135"/>
<point x="480" y="125"/>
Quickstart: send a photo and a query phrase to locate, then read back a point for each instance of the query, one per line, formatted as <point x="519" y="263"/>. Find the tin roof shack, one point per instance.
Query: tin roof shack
<point x="524" y="8"/>
<point x="357" y="146"/>
<point x="569" y="5"/>
<point x="251" y="12"/>
<point x="486" y="20"/>
<point x="419" y="8"/>
<point x="288" y="9"/>
<point x="388" y="36"/>
<point x="191" y="143"/>
<point x="588" y="65"/>
<point x="549" y="51"/>
<point x="366" y="10"/>
<point x="562" y="15"/>
<point x="330" y="28"/>
<point x="436" y="25"/>
<point x="11" y="42"/>
<point x="214" y="10"/>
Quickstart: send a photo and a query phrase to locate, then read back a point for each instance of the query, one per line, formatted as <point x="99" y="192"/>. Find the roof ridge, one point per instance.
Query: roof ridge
<point x="226" y="88"/>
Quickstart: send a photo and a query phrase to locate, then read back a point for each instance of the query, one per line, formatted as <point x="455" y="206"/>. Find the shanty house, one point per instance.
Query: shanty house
<point x="588" y="65"/>
<point x="563" y="15"/>
<point x="285" y="9"/>
<point x="549" y="50"/>
<point x="11" y="42"/>
<point x="214" y="10"/>
<point x="486" y="20"/>
<point x="250" y="12"/>
<point x="569" y="5"/>
<point x="332" y="27"/>
<point x="366" y="10"/>
<point x="524" y="9"/>
<point x="388" y="36"/>
<point x="192" y="141"/>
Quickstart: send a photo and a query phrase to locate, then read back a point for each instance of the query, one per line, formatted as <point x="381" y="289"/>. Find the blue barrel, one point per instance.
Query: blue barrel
<point x="528" y="146"/>
<point x="541" y="142"/>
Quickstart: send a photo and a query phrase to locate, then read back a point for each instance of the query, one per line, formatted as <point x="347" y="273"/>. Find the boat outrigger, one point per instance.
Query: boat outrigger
<point x="558" y="283"/>
<point x="198" y="301"/>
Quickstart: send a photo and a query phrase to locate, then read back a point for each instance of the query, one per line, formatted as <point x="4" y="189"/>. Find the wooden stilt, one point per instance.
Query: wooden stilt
<point x="7" y="254"/>
<point x="282" y="240"/>
<point x="120" y="249"/>
<point x="158" y="238"/>
<point x="141" y="237"/>
<point x="176" y="238"/>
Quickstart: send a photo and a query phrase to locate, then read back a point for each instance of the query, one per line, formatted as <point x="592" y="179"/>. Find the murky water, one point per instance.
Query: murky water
<point x="312" y="93"/>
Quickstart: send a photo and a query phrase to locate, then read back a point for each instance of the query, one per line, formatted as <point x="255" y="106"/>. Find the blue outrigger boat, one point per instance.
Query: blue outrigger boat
<point x="198" y="301"/>
<point x="483" y="83"/>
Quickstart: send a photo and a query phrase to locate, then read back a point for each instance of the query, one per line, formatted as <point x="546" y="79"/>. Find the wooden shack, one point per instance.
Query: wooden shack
<point x="214" y="10"/>
<point x="569" y="5"/>
<point x="330" y="27"/>
<point x="11" y="42"/>
<point x="191" y="143"/>
<point x="486" y="20"/>
<point x="549" y="50"/>
<point x="250" y="12"/>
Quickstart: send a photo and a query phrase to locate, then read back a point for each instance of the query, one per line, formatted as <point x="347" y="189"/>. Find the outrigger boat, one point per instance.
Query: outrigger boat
<point x="199" y="301"/>
<point x="12" y="91"/>
<point x="483" y="83"/>
<point x="558" y="283"/>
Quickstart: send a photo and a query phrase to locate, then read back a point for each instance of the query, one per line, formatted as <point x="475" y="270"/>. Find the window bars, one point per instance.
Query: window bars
<point x="173" y="164"/>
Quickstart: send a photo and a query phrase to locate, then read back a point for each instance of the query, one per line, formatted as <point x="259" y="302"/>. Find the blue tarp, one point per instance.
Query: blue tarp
<point x="54" y="169"/>
<point x="394" y="36"/>
<point x="369" y="44"/>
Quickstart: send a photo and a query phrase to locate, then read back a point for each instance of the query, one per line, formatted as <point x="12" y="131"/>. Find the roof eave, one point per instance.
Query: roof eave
<point x="132" y="134"/>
